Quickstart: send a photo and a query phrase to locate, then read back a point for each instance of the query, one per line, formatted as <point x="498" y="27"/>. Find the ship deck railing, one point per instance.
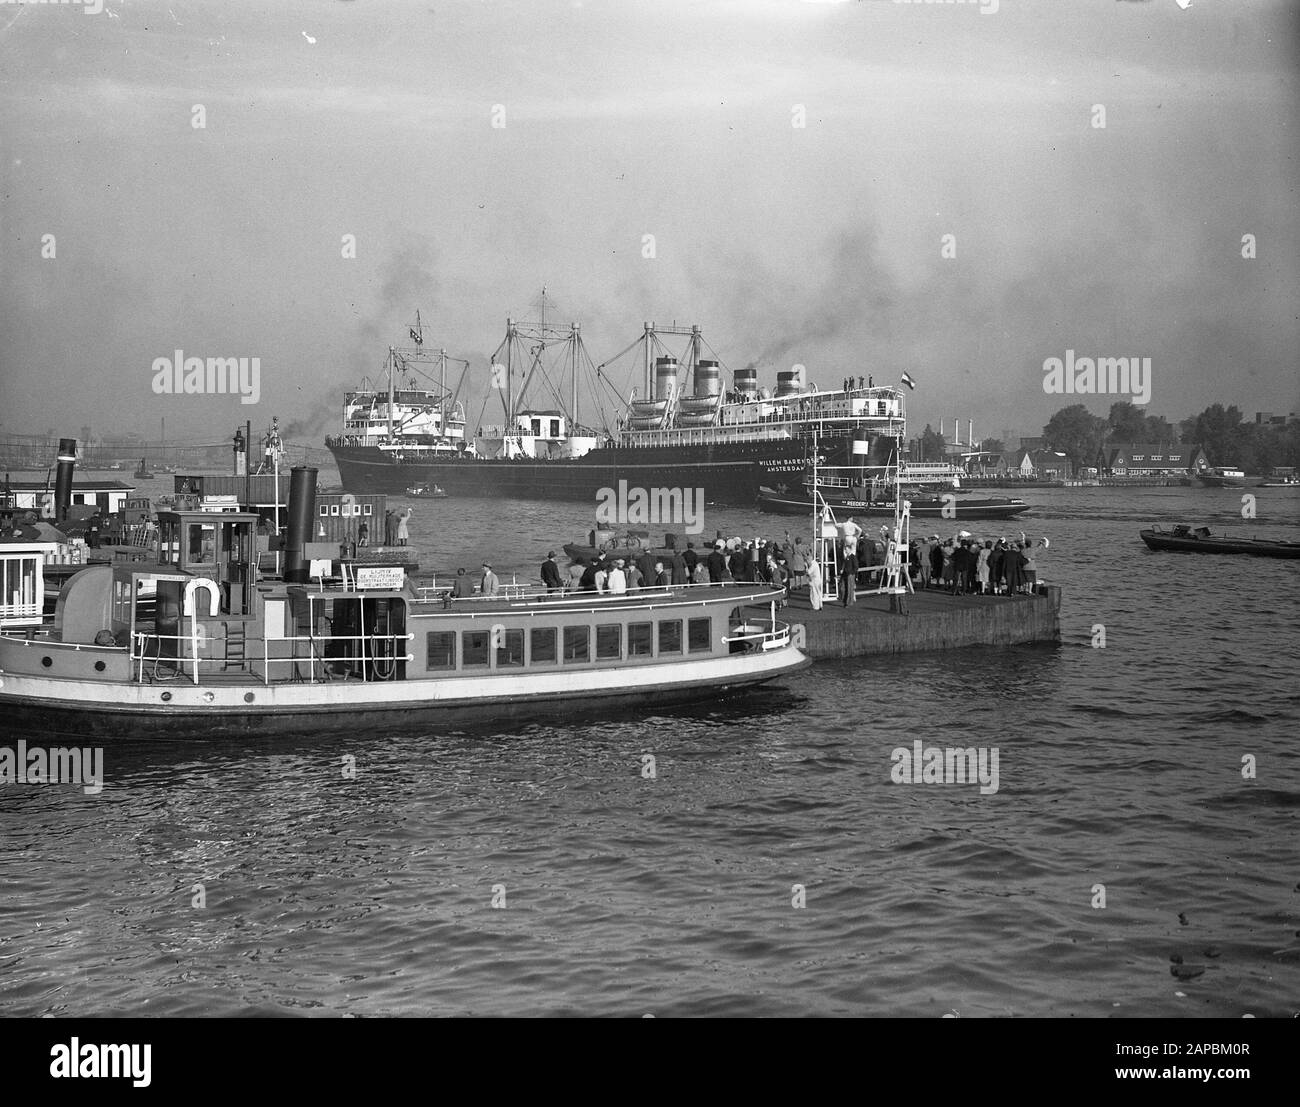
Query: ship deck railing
<point x="375" y="656"/>
<point x="520" y="595"/>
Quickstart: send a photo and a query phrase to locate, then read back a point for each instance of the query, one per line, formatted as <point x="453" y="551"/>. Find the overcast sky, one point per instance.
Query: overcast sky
<point x="818" y="244"/>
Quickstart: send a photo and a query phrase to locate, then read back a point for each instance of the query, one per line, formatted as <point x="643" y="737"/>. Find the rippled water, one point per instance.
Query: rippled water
<point x="1119" y="766"/>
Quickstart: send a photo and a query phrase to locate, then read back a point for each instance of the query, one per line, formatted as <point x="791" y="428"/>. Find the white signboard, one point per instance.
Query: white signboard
<point x="380" y="576"/>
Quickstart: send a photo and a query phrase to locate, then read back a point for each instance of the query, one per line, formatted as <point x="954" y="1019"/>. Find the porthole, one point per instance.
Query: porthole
<point x="249" y="697"/>
<point x="166" y="697"/>
<point x="100" y="666"/>
<point x="47" y="661"/>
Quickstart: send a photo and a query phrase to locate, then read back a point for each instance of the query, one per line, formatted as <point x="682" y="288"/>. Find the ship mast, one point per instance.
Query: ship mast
<point x="392" y="362"/>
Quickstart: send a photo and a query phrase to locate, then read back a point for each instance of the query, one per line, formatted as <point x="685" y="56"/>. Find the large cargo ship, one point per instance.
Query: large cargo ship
<point x="688" y="428"/>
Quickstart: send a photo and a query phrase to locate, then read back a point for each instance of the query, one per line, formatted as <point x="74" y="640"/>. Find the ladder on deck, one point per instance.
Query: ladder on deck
<point x="236" y="647"/>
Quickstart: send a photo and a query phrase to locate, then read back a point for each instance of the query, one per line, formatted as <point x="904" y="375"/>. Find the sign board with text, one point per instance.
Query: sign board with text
<point x="390" y="577"/>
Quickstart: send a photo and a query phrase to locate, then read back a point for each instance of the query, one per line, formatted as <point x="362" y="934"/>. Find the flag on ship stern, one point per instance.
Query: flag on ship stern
<point x="907" y="380"/>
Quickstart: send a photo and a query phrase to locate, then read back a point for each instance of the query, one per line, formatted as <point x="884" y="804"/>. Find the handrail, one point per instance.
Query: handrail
<point x="142" y="639"/>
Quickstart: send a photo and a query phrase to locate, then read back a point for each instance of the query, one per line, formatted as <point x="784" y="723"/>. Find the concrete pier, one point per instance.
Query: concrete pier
<point x="934" y="621"/>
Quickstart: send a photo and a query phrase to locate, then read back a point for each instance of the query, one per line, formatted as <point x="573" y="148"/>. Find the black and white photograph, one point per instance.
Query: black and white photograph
<point x="650" y="509"/>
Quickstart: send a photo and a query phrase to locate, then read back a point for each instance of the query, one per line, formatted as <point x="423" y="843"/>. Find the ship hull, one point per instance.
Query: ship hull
<point x="728" y="473"/>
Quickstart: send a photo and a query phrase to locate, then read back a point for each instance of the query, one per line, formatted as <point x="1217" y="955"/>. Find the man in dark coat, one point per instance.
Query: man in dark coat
<point x="677" y="568"/>
<point x="551" y="574"/>
<point x="692" y="558"/>
<point x="717" y="566"/>
<point x="646" y="563"/>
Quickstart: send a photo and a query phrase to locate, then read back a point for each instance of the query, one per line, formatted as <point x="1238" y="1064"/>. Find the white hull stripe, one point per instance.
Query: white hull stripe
<point x="188" y="698"/>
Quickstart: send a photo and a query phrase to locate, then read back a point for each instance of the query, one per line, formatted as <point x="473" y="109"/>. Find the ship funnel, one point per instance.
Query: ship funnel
<point x="63" y="478"/>
<point x="790" y="383"/>
<point x="707" y="380"/>
<point x="747" y="383"/>
<point x="302" y="512"/>
<point x="665" y="378"/>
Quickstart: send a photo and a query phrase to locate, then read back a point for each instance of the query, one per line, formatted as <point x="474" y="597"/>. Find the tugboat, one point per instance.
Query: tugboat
<point x="142" y="473"/>
<point x="685" y="428"/>
<point x="1185" y="539"/>
<point x="198" y="646"/>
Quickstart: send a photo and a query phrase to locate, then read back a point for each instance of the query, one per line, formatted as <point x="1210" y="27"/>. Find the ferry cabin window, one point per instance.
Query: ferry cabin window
<point x="670" y="636"/>
<point x="699" y="634"/>
<point x="510" y="649"/>
<point x="577" y="644"/>
<point x="609" y="641"/>
<point x="202" y="543"/>
<point x="541" y="646"/>
<point x="639" y="639"/>
<point x="474" y="648"/>
<point x="440" y="650"/>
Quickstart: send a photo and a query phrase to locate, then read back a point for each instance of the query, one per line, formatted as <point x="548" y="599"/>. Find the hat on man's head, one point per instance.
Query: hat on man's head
<point x="551" y="554"/>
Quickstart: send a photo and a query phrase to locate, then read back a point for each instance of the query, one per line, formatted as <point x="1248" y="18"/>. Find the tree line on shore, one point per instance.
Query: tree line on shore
<point x="1223" y="432"/>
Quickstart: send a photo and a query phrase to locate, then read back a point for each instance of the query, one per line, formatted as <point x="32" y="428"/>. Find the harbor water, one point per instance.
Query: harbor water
<point x="1139" y="856"/>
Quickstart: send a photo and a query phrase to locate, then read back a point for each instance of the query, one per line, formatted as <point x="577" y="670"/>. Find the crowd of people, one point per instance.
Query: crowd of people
<point x="966" y="565"/>
<point x="962" y="565"/>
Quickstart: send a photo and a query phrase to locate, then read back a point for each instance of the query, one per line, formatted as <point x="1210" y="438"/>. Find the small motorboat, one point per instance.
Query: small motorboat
<point x="1186" y="539"/>
<point x="142" y="473"/>
<point x="426" y="492"/>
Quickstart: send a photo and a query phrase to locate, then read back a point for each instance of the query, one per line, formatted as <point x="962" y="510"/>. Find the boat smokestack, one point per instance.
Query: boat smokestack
<point x="302" y="512"/>
<point x="665" y="378"/>
<point x="746" y="381"/>
<point x="63" y="478"/>
<point x="708" y="382"/>
<point x="790" y="383"/>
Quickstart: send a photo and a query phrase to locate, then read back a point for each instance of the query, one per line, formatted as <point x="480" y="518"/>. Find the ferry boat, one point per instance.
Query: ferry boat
<point x="198" y="646"/>
<point x="727" y="441"/>
<point x="871" y="490"/>
<point x="1281" y="476"/>
<point x="1222" y="477"/>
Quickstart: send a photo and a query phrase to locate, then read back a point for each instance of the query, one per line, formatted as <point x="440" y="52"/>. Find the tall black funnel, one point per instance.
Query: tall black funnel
<point x="302" y="512"/>
<point x="63" y="478"/>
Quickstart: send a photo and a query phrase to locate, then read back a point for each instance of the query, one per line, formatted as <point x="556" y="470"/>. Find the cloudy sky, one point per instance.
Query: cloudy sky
<point x="819" y="244"/>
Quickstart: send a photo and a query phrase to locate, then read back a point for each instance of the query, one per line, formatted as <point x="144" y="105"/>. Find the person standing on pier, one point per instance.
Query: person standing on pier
<point x="982" y="567"/>
<point x="849" y="577"/>
<point x="814" y="584"/>
<point x="403" y="534"/>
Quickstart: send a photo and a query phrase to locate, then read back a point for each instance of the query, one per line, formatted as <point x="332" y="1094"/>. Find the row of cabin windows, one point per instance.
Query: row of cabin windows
<point x="548" y="645"/>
